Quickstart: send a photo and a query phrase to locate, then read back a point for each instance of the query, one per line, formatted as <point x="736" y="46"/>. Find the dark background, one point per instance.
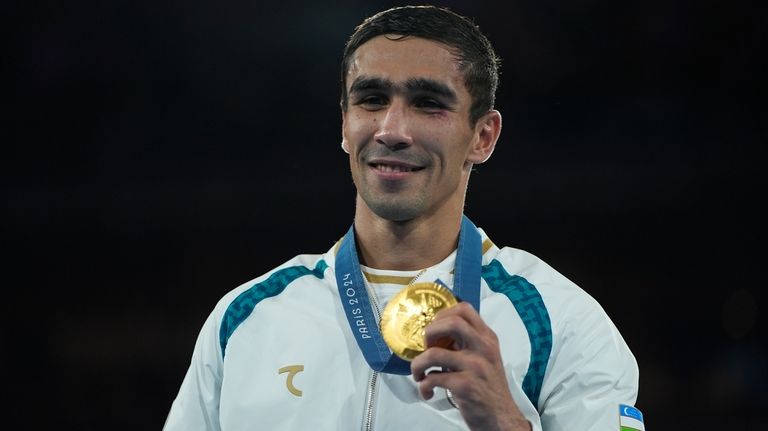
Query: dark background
<point x="157" y="154"/>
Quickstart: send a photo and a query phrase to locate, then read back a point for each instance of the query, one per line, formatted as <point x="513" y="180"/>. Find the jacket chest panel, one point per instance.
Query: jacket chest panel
<point x="292" y="366"/>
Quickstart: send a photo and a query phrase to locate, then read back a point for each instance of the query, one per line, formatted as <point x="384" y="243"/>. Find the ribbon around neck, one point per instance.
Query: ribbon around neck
<point x="357" y="305"/>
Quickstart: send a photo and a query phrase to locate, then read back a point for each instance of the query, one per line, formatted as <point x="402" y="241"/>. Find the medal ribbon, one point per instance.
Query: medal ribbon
<point x="357" y="305"/>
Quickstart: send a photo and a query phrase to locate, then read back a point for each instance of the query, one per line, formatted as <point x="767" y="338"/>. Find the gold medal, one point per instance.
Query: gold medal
<point x="409" y="312"/>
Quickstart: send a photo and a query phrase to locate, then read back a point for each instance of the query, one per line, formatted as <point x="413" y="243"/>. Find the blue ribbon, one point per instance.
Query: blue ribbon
<point x="357" y="305"/>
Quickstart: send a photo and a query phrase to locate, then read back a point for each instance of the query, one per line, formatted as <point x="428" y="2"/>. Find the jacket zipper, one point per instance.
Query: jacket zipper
<point x="370" y="399"/>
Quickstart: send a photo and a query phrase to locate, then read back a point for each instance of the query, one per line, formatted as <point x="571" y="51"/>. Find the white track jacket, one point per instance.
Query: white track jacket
<point x="277" y="353"/>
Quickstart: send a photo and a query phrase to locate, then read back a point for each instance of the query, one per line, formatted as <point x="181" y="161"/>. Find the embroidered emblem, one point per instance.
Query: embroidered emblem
<point x="292" y="370"/>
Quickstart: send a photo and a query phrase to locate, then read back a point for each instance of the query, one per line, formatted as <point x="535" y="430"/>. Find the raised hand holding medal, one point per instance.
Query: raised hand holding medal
<point x="477" y="379"/>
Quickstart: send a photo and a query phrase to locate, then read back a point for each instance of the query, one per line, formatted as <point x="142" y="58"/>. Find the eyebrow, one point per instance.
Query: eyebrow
<point x="412" y="85"/>
<point x="365" y="83"/>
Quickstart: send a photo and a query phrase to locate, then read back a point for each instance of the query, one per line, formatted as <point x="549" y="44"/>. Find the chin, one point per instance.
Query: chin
<point x="395" y="211"/>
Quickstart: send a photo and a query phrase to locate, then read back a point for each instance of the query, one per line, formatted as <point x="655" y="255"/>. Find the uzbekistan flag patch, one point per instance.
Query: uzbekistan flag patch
<point x="630" y="419"/>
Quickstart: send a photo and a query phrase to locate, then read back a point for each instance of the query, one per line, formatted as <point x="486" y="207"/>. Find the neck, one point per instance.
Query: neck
<point x="407" y="245"/>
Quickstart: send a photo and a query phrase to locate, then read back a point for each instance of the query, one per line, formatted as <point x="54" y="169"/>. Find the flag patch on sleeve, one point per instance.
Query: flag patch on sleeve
<point x="630" y="419"/>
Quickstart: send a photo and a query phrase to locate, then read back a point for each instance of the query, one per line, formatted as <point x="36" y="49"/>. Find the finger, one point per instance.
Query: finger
<point x="446" y="380"/>
<point x="427" y="391"/>
<point x="439" y="357"/>
<point x="479" y="336"/>
<point x="466" y="312"/>
<point x="453" y="328"/>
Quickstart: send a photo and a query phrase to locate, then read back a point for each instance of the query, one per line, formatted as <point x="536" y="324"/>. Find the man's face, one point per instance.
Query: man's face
<point x="407" y="127"/>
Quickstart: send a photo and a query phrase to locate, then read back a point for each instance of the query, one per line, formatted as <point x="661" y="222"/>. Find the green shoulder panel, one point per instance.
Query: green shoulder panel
<point x="243" y="305"/>
<point x="530" y="306"/>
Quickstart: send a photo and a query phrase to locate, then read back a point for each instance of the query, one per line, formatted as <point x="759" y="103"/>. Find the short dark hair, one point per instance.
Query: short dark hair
<point x="477" y="59"/>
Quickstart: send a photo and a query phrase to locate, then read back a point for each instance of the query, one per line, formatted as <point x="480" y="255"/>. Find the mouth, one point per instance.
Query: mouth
<point x="394" y="167"/>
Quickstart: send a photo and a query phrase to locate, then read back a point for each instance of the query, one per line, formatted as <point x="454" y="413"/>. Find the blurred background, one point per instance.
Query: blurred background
<point x="157" y="154"/>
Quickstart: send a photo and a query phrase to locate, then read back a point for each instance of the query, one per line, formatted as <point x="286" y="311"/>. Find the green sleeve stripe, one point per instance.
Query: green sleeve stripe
<point x="530" y="306"/>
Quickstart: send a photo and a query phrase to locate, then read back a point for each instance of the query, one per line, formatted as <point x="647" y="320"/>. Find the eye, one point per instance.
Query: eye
<point x="429" y="104"/>
<point x="372" y="102"/>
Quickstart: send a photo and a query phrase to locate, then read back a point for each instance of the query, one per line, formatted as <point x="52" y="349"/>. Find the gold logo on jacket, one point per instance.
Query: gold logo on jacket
<point x="292" y="370"/>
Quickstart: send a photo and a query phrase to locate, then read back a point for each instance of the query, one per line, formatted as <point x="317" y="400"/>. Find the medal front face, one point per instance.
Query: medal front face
<point x="409" y="312"/>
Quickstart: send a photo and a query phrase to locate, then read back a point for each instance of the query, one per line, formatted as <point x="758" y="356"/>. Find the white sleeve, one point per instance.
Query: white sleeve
<point x="591" y="372"/>
<point x="196" y="407"/>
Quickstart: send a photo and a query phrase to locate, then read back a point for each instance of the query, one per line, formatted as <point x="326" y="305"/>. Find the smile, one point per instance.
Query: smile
<point x="387" y="168"/>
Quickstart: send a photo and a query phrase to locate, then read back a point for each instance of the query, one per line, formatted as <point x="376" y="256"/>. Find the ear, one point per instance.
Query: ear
<point x="487" y="130"/>
<point x="344" y="144"/>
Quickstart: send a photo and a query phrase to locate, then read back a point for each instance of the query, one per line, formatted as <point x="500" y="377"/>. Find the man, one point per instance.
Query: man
<point x="300" y="347"/>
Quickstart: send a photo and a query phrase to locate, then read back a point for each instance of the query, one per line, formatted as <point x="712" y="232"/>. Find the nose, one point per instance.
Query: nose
<point x="394" y="128"/>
